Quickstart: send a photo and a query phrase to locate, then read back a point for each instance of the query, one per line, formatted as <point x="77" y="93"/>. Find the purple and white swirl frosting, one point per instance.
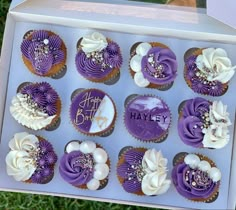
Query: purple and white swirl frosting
<point x="153" y="65"/>
<point x="209" y="72"/>
<point x="196" y="180"/>
<point x="97" y="57"/>
<point x="84" y="165"/>
<point x="35" y="105"/>
<point x="197" y="126"/>
<point x="143" y="172"/>
<point x="43" y="51"/>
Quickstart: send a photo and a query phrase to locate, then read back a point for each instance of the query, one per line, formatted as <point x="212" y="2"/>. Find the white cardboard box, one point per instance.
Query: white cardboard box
<point x="130" y="18"/>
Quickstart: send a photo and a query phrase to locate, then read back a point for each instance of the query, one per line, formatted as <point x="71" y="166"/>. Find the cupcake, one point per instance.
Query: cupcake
<point x="93" y="112"/>
<point x="208" y="70"/>
<point x="31" y="159"/>
<point x="85" y="165"/>
<point x="204" y="124"/>
<point x="44" y="53"/>
<point x="143" y="171"/>
<point x="98" y="58"/>
<point x="153" y="65"/>
<point x="36" y="106"/>
<point x="147" y="118"/>
<point x="196" y="177"/>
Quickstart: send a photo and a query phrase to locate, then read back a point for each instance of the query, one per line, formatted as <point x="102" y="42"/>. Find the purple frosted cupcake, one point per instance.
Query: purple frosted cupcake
<point x="204" y="124"/>
<point x="196" y="177"/>
<point x="85" y="165"/>
<point x="98" y="58"/>
<point x="143" y="171"/>
<point x="93" y="112"/>
<point x="208" y="71"/>
<point x="44" y="53"/>
<point x="147" y="118"/>
<point x="31" y="159"/>
<point x="153" y="65"/>
<point x="36" y="106"/>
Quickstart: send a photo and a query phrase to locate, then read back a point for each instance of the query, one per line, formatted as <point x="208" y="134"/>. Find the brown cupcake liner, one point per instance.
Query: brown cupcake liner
<point x="198" y="51"/>
<point x="121" y="160"/>
<point x="103" y="182"/>
<point x="111" y="78"/>
<point x="132" y="73"/>
<point x="56" y="69"/>
<point x="56" y="120"/>
<point x="179" y="158"/>
<point x="160" y="139"/>
<point x="108" y="131"/>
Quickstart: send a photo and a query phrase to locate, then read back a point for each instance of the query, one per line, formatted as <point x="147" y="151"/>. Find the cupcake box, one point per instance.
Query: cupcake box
<point x="143" y="25"/>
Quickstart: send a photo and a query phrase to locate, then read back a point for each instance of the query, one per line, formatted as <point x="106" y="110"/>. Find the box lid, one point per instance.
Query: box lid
<point x="222" y="11"/>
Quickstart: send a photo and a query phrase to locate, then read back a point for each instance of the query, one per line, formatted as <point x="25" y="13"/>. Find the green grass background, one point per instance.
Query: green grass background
<point x="20" y="201"/>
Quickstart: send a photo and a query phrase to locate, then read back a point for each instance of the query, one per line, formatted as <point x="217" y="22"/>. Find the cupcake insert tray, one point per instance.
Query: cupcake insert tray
<point x="120" y="137"/>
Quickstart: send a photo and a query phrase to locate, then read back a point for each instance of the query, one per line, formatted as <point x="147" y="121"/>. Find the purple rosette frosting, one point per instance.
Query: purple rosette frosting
<point x="43" y="51"/>
<point x="196" y="107"/>
<point x="147" y="118"/>
<point x="193" y="184"/>
<point x="43" y="95"/>
<point x="190" y="131"/>
<point x="159" y="66"/>
<point x="46" y="159"/>
<point x="192" y="121"/>
<point x="76" y="168"/>
<point x="131" y="171"/>
<point x="99" y="64"/>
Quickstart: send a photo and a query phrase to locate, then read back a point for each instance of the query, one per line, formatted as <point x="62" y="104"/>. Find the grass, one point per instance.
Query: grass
<point x="20" y="201"/>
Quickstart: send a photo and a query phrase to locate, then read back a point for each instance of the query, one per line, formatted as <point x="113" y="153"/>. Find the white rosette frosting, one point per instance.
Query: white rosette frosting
<point x="154" y="181"/>
<point x="93" y="42"/>
<point x="216" y="138"/>
<point x="27" y="114"/>
<point x="217" y="134"/>
<point x="19" y="161"/>
<point x="20" y="165"/>
<point x="100" y="157"/>
<point x="219" y="117"/>
<point x="24" y="142"/>
<point x="135" y="64"/>
<point x="215" y="64"/>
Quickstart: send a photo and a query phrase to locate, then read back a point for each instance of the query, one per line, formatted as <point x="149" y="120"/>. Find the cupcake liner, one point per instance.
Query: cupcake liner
<point x="132" y="73"/>
<point x="58" y="70"/>
<point x="122" y="160"/>
<point x="111" y="78"/>
<point x="106" y="132"/>
<point x="198" y="51"/>
<point x="179" y="158"/>
<point x="162" y="137"/>
<point x="55" y="123"/>
<point x="103" y="182"/>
